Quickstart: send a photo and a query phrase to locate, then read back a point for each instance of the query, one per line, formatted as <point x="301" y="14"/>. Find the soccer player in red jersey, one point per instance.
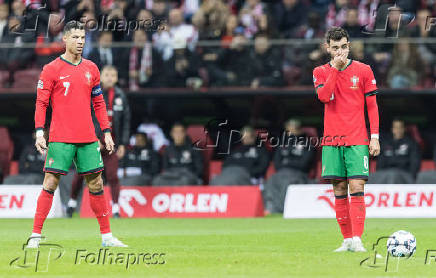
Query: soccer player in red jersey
<point x="344" y="85"/>
<point x="70" y="83"/>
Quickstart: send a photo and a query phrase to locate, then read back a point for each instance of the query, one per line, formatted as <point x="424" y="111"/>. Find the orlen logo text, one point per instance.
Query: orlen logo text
<point x="188" y="203"/>
<point x="388" y="199"/>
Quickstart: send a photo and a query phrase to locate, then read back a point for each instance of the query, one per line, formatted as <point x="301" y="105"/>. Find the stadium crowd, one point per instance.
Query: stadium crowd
<point x="209" y="43"/>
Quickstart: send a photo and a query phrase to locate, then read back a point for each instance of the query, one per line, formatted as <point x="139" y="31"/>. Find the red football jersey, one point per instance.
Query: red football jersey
<point x="70" y="89"/>
<point x="344" y="114"/>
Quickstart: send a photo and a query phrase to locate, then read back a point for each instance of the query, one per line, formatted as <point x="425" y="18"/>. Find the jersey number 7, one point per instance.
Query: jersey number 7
<point x="66" y="85"/>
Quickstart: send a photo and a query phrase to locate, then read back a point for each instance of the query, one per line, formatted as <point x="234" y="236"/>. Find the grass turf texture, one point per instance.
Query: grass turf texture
<point x="260" y="247"/>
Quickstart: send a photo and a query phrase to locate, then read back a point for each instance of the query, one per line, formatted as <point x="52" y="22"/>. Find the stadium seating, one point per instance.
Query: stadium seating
<point x="413" y="131"/>
<point x="26" y="78"/>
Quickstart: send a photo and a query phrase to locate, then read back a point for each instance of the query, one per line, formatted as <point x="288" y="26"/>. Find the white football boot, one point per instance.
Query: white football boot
<point x="357" y="245"/>
<point x="33" y="241"/>
<point x="112" y="242"/>
<point x="345" y="246"/>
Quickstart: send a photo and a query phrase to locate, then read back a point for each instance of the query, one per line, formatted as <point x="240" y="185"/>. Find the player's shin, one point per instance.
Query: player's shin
<point x="43" y="207"/>
<point x="342" y="215"/>
<point x="101" y="210"/>
<point x="357" y="213"/>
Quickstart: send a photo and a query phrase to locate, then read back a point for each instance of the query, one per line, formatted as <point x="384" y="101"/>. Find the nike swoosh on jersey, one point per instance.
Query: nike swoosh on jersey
<point x="63" y="77"/>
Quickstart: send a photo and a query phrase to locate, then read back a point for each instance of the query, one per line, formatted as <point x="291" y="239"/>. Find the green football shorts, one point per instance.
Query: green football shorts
<point x="345" y="162"/>
<point x="86" y="157"/>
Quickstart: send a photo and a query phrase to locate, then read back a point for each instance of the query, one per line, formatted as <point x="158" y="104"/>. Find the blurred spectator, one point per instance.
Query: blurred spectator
<point x="231" y="66"/>
<point x="190" y="7"/>
<point x="17" y="8"/>
<point x="147" y="23"/>
<point x="266" y="63"/>
<point x="266" y="26"/>
<point x="15" y="58"/>
<point x="165" y="41"/>
<point x="116" y="20"/>
<point x="352" y="24"/>
<point x="30" y="165"/>
<point x="427" y="51"/>
<point x="424" y="29"/>
<point x="179" y="29"/>
<point x="405" y="70"/>
<point x="92" y="33"/>
<point x="400" y="157"/>
<point x="4" y="13"/>
<point x="154" y="133"/>
<point x="134" y="7"/>
<point x="308" y="62"/>
<point x="313" y="28"/>
<point x="49" y="45"/>
<point x="145" y="65"/>
<point x="292" y="161"/>
<point x="246" y="163"/>
<point x="182" y="164"/>
<point x="104" y="54"/>
<point x="337" y="13"/>
<point x="210" y="19"/>
<point x="182" y="65"/>
<point x="75" y="10"/>
<point x="230" y="26"/>
<point x="250" y="16"/>
<point x="319" y="6"/>
<point x="159" y="10"/>
<point x="289" y="16"/>
<point x="357" y="52"/>
<point x="367" y="14"/>
<point x="140" y="164"/>
<point x="397" y="23"/>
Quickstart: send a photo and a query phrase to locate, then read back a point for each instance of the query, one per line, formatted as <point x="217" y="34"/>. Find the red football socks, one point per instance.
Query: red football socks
<point x="43" y="207"/>
<point x="343" y="216"/>
<point x="100" y="208"/>
<point x="357" y="213"/>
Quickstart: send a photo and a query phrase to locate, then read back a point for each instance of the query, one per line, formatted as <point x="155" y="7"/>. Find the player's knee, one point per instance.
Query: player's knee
<point x="340" y="185"/>
<point x="95" y="183"/>
<point x="51" y="181"/>
<point x="357" y="185"/>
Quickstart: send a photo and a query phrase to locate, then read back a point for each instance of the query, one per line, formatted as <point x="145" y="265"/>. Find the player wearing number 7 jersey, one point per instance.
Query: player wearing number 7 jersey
<point x="70" y="83"/>
<point x="344" y="85"/>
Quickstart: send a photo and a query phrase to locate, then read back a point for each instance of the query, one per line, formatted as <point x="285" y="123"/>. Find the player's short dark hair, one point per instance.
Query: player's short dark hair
<point x="73" y="24"/>
<point x="336" y="34"/>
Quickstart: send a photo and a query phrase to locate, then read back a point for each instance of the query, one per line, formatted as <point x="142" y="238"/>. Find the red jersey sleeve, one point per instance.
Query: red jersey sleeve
<point x="43" y="93"/>
<point x="370" y="86"/>
<point x="318" y="78"/>
<point x="325" y="82"/>
<point x="369" y="82"/>
<point x="98" y="102"/>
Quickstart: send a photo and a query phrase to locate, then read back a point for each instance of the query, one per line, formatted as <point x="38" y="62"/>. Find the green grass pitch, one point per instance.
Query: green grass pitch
<point x="259" y="247"/>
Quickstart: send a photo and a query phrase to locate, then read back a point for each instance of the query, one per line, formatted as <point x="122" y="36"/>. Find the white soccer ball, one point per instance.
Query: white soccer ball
<point x="401" y="244"/>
